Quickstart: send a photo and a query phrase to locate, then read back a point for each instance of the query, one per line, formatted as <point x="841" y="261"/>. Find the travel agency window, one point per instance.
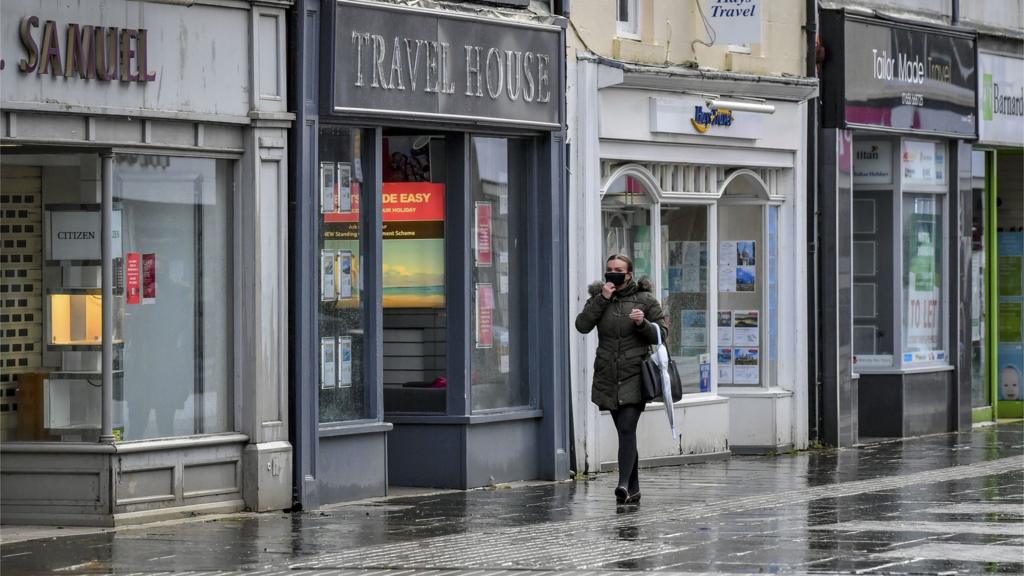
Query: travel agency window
<point x="634" y="222"/>
<point x="346" y="228"/>
<point x="747" y="280"/>
<point x="899" y="236"/>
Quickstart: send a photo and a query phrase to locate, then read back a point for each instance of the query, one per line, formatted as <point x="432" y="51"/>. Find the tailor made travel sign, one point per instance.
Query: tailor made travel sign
<point x="401" y="61"/>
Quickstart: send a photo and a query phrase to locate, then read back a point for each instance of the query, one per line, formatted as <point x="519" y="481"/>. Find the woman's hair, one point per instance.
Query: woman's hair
<point x="624" y="258"/>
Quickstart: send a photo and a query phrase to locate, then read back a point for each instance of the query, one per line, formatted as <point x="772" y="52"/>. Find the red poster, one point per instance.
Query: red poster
<point x="412" y="202"/>
<point x="132" y="277"/>
<point x="148" y="278"/>
<point x="484" y="316"/>
<point x="483" y="234"/>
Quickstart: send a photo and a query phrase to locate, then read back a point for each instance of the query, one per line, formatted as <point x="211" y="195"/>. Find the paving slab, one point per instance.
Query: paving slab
<point x="939" y="504"/>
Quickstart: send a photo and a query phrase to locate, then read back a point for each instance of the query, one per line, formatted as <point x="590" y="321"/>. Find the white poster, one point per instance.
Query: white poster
<point x="725" y="327"/>
<point x="695" y="325"/>
<point x="724" y="366"/>
<point x="344" y="187"/>
<point x="745" y="331"/>
<point x="327" y="363"/>
<point x="872" y="162"/>
<point x="727" y="266"/>
<point x="923" y="163"/>
<point x="328" y="188"/>
<point x="735" y="22"/>
<point x="345" y="274"/>
<point x="328" y="284"/>
<point x="746" y="367"/>
<point x="345" y="352"/>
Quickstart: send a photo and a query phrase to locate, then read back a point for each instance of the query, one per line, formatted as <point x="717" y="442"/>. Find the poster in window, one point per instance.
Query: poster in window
<point x="482" y="237"/>
<point x="746" y="366"/>
<point x="1011" y="368"/>
<point x="413" y="245"/>
<point x="675" y="279"/>
<point x="923" y="286"/>
<point x="133" y="277"/>
<point x="149" y="278"/>
<point x="694" y="263"/>
<point x="725" y="327"/>
<point x="695" y="325"/>
<point x="745" y="328"/>
<point x="328" y="188"/>
<point x="484" y="316"/>
<point x="344" y="187"/>
<point x="725" y="365"/>
<point x="641" y="250"/>
<point x="327" y="363"/>
<point x="675" y="250"/>
<point x="345" y="274"/>
<point x="328" y="288"/>
<point x="345" y="354"/>
<point x="727" y="266"/>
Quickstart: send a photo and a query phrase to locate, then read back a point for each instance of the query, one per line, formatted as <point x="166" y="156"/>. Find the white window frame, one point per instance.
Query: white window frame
<point x="630" y="27"/>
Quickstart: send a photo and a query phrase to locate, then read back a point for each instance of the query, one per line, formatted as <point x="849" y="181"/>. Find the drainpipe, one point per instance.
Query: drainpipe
<point x="814" y="392"/>
<point x="954" y="18"/>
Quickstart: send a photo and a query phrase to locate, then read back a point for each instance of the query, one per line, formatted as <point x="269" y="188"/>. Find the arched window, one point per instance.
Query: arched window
<point x="626" y="217"/>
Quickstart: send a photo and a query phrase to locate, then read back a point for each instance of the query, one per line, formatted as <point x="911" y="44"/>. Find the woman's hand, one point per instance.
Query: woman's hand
<point x="637" y="316"/>
<point x="607" y="290"/>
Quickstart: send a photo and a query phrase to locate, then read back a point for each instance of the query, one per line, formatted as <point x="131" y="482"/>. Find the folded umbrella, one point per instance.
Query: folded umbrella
<point x="666" y="383"/>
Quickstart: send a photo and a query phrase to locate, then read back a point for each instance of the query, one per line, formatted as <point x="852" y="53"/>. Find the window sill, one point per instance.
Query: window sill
<point x="353" y="428"/>
<point x="127" y="447"/>
<point x="754" y="392"/>
<point x="861" y="372"/>
<point x="470" y="420"/>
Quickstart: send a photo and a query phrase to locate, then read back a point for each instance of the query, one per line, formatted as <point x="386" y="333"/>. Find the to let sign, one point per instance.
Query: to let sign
<point x="397" y="60"/>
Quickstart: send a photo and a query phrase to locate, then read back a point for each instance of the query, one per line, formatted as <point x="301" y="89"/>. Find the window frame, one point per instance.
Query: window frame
<point x="900" y="189"/>
<point x="630" y="27"/>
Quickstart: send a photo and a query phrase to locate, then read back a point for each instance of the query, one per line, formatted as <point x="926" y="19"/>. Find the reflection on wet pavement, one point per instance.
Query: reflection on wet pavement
<point x="949" y="503"/>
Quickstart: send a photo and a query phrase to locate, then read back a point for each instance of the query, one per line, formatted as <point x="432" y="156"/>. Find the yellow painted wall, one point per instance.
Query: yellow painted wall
<point x="668" y="29"/>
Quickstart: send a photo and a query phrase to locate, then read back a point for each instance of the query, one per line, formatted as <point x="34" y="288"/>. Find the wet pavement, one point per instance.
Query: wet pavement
<point x="948" y="504"/>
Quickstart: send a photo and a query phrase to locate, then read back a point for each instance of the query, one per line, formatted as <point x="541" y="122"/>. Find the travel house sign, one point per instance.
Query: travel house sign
<point x="401" y="61"/>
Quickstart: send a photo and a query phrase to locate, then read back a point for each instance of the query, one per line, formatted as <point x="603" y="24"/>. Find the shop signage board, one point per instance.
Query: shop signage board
<point x="898" y="76"/>
<point x="120" y="57"/>
<point x="399" y="60"/>
<point x="1001" y="95"/>
<point x="690" y="115"/>
<point x="75" y="234"/>
<point x="735" y="21"/>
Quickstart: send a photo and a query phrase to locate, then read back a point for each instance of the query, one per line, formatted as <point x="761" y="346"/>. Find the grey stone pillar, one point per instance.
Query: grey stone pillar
<point x="262" y="238"/>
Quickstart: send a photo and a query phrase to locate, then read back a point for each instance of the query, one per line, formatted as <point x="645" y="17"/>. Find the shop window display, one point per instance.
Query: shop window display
<point x="684" y="288"/>
<point x="342" y="184"/>
<point x="175" y="272"/>
<point x="498" y="179"/>
<point x="626" y="212"/>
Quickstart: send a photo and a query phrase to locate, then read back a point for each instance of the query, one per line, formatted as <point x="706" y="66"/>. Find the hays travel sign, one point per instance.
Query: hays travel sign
<point x="690" y="115"/>
<point x="396" y="60"/>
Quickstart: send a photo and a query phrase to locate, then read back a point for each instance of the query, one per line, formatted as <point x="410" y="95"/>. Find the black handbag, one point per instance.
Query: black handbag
<point x="650" y="377"/>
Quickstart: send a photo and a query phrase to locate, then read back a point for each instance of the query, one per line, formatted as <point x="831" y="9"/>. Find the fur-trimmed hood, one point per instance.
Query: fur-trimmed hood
<point x="643" y="284"/>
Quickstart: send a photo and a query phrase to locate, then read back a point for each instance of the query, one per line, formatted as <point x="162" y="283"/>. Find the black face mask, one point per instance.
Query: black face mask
<point x="617" y="278"/>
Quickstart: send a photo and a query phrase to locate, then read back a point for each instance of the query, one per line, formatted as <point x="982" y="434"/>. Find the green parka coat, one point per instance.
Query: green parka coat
<point x="622" y="346"/>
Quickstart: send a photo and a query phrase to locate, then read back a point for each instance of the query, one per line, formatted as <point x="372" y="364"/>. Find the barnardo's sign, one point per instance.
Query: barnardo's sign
<point x="898" y="76"/>
<point x="1001" y="92"/>
<point x="405" y="61"/>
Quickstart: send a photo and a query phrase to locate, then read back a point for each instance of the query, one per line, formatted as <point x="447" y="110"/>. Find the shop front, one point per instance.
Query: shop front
<point x="427" y="241"/>
<point x="143" y="222"/>
<point x="896" y="196"/>
<point x="997" y="239"/>
<point x="709" y="203"/>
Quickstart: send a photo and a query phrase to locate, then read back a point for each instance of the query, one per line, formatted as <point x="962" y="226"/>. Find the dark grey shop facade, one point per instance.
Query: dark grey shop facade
<point x="899" y="114"/>
<point x="428" y="259"/>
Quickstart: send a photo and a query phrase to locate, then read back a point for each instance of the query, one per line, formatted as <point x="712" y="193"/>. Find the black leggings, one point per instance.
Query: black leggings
<point x="626" y="419"/>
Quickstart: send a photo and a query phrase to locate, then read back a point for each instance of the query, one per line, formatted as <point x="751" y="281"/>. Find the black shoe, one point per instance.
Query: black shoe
<point x="621" y="494"/>
<point x="633" y="498"/>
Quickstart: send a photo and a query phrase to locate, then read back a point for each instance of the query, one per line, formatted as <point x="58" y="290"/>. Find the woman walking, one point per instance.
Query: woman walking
<point x="626" y="314"/>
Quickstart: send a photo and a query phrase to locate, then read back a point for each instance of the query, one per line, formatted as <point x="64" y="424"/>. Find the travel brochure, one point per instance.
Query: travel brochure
<point x="331" y="374"/>
<point x="738" y="347"/>
<point x="336" y="275"/>
<point x="335" y="187"/>
<point x="687" y="267"/>
<point x="737" y="266"/>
